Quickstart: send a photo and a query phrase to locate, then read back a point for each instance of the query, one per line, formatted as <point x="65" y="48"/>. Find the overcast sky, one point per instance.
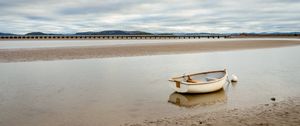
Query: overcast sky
<point x="219" y="16"/>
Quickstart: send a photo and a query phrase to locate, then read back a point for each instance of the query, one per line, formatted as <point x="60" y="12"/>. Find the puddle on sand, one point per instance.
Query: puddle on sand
<point x="114" y="91"/>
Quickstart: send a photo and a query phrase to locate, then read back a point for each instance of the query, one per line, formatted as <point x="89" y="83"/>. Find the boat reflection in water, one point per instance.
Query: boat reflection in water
<point x="191" y="100"/>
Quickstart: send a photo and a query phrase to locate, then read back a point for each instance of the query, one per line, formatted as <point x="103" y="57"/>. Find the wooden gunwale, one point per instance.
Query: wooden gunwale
<point x="187" y="83"/>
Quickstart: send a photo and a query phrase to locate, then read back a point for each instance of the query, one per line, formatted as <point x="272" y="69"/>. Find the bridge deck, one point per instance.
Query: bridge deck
<point x="24" y="37"/>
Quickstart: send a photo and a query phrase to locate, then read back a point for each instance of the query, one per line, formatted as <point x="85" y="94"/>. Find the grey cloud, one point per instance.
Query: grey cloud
<point x="22" y="16"/>
<point x="100" y="9"/>
<point x="38" y="18"/>
<point x="116" y="6"/>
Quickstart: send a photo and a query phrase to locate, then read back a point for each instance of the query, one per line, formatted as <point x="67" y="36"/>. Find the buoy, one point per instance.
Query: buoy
<point x="234" y="78"/>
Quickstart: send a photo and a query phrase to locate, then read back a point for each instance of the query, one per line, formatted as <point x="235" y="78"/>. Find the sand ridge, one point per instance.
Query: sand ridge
<point x="84" y="52"/>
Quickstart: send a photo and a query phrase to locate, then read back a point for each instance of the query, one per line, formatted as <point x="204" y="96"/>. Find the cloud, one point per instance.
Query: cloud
<point x="21" y="16"/>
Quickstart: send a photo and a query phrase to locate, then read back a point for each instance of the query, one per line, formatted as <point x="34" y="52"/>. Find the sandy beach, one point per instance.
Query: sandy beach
<point x="84" y="52"/>
<point x="283" y="113"/>
<point x="149" y="63"/>
<point x="92" y="91"/>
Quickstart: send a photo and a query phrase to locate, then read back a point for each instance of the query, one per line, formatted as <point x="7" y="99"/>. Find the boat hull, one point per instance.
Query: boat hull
<point x="205" y="88"/>
<point x="183" y="87"/>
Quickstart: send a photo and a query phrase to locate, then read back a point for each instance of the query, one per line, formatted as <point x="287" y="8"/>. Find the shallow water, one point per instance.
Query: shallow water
<point x="115" y="91"/>
<point x="17" y="44"/>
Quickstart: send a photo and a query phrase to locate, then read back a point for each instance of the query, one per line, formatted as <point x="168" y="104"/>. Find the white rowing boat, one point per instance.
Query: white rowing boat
<point x="203" y="82"/>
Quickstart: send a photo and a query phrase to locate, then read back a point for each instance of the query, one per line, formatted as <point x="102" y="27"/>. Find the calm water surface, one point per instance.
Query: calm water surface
<point x="115" y="91"/>
<point x="16" y="44"/>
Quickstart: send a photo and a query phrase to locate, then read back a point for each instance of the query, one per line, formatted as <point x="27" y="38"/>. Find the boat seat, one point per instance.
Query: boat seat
<point x="190" y="80"/>
<point x="193" y="81"/>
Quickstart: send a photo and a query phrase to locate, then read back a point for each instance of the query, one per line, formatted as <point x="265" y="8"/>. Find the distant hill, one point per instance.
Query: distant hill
<point x="114" y="32"/>
<point x="121" y="32"/>
<point x="3" y="34"/>
<point x="277" y="33"/>
<point x="36" y="33"/>
<point x="40" y="33"/>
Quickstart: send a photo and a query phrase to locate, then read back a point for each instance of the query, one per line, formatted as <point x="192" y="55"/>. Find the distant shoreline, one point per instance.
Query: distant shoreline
<point x="136" y="37"/>
<point x="108" y="37"/>
<point x="85" y="52"/>
<point x="125" y="34"/>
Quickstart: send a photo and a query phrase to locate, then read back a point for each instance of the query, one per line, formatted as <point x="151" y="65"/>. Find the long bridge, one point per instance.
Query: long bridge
<point x="108" y="37"/>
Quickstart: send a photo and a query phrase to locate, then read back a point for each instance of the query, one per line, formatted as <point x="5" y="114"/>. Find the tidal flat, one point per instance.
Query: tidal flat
<point x="134" y="90"/>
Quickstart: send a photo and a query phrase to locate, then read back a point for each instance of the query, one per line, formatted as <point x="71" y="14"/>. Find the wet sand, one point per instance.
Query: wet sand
<point x="87" y="92"/>
<point x="84" y="52"/>
<point x="283" y="113"/>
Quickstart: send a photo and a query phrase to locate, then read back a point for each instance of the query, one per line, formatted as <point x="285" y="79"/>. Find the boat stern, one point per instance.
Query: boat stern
<point x="178" y="86"/>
